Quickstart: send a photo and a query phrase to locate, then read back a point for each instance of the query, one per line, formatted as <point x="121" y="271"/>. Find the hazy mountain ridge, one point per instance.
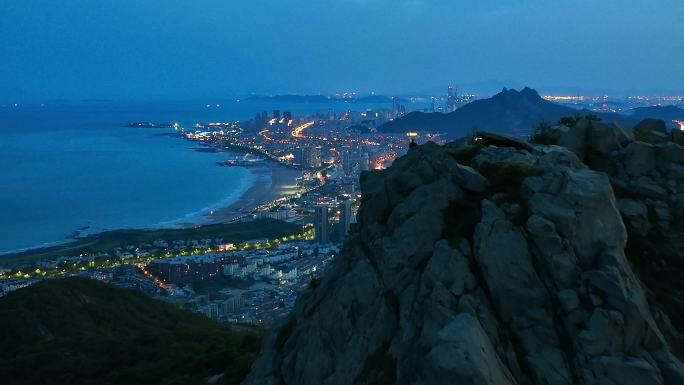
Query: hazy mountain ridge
<point x="510" y="111"/>
<point x="499" y="265"/>
<point x="665" y="113"/>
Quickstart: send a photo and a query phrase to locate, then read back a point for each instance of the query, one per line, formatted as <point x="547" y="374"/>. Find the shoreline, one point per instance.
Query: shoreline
<point x="271" y="182"/>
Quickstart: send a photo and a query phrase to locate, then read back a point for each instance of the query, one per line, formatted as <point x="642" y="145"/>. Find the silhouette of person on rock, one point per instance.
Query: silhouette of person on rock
<point x="413" y="144"/>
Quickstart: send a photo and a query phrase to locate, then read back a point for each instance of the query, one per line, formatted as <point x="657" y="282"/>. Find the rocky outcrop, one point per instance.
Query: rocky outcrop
<point x="646" y="171"/>
<point x="504" y="267"/>
<point x="652" y="131"/>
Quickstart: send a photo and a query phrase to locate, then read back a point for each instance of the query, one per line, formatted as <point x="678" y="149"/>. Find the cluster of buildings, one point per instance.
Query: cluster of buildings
<point x="249" y="286"/>
<point x="331" y="149"/>
<point x="333" y="220"/>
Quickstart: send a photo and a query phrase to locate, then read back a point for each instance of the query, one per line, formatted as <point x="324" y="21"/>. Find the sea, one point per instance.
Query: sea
<point x="70" y="169"/>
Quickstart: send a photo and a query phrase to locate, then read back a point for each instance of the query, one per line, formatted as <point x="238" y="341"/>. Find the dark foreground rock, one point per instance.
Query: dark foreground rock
<point x="472" y="265"/>
<point x="646" y="171"/>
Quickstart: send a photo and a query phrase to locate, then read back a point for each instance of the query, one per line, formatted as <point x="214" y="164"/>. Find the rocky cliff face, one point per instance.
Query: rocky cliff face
<point x="648" y="180"/>
<point x="479" y="264"/>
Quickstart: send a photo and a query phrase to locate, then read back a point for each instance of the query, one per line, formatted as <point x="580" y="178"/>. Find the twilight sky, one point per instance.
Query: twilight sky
<point x="186" y="49"/>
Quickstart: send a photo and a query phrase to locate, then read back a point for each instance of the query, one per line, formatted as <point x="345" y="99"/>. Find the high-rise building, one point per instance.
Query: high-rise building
<point x="288" y="116"/>
<point x="299" y="158"/>
<point x="321" y="224"/>
<point x="359" y="164"/>
<point x="395" y="106"/>
<point x="346" y="161"/>
<point x="308" y="156"/>
<point x="345" y="219"/>
<point x="276" y="115"/>
<point x="451" y="99"/>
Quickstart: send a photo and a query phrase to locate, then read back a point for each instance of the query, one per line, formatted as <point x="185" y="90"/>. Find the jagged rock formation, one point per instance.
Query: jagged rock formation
<point x="478" y="264"/>
<point x="648" y="180"/>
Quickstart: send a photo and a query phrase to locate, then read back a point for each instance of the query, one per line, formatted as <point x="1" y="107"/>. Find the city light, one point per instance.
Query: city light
<point x="297" y="131"/>
<point x="681" y="124"/>
<point x="84" y="265"/>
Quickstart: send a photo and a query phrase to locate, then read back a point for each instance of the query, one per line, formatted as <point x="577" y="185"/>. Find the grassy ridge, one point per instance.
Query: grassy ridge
<point x="80" y="331"/>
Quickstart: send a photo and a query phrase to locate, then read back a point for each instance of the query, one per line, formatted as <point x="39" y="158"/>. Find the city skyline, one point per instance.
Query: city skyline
<point x="179" y="50"/>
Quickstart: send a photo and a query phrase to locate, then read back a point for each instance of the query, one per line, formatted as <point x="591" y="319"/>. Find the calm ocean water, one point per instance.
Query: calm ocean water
<point x="67" y="167"/>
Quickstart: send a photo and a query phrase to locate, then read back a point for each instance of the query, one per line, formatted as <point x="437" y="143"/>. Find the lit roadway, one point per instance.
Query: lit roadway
<point x="264" y="134"/>
<point x="140" y="262"/>
<point x="297" y="131"/>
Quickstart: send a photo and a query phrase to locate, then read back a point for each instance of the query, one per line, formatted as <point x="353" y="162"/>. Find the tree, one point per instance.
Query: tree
<point x="542" y="134"/>
<point x="568" y="121"/>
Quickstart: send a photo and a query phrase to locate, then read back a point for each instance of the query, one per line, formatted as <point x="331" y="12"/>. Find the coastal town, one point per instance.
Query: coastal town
<point x="247" y="264"/>
<point x="253" y="281"/>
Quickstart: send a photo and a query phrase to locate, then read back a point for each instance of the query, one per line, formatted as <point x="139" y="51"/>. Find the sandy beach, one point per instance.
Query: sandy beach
<point x="272" y="181"/>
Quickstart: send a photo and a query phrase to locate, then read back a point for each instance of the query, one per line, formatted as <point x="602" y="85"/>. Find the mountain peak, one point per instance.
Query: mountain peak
<point x="510" y="111"/>
<point x="490" y="264"/>
<point x="530" y="92"/>
<point x="526" y="92"/>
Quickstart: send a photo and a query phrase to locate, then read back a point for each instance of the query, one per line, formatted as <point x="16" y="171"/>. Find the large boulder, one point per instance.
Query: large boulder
<point x="604" y="138"/>
<point x="507" y="270"/>
<point x="639" y="158"/>
<point x="573" y="138"/>
<point x="501" y="140"/>
<point x="635" y="214"/>
<point x="652" y="131"/>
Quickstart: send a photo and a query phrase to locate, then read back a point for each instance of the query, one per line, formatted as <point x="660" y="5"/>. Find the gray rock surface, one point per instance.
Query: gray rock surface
<point x="639" y="158"/>
<point x="455" y="275"/>
<point x="646" y="172"/>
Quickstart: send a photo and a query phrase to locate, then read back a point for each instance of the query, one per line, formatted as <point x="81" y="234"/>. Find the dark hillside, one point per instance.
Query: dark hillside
<point x="81" y="331"/>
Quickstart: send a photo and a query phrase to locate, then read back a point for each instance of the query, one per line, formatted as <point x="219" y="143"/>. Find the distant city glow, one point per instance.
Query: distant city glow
<point x="681" y="124"/>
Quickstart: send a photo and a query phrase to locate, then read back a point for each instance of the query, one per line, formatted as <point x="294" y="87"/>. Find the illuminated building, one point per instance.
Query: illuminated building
<point x="311" y="156"/>
<point x="395" y="106"/>
<point x="360" y="164"/>
<point x="308" y="156"/>
<point x="451" y="98"/>
<point x="346" y="161"/>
